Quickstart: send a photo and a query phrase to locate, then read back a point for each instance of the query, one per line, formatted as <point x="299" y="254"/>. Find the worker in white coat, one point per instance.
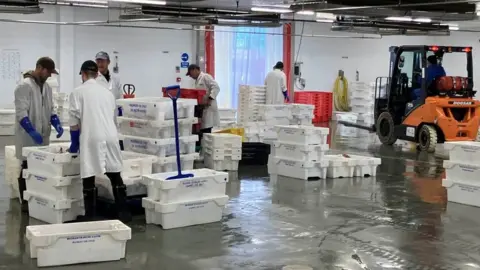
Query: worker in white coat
<point x="34" y="114"/>
<point x="110" y="80"/>
<point x="205" y="81"/>
<point x="93" y="132"/>
<point x="276" y="85"/>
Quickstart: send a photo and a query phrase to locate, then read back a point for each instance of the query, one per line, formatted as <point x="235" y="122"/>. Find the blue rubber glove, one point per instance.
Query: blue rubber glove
<point x="27" y="125"/>
<point x="285" y="95"/>
<point x="120" y="111"/>
<point x="75" y="137"/>
<point x="57" y="125"/>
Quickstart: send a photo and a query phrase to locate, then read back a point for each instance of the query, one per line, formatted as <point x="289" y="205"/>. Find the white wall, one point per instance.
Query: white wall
<point x="323" y="57"/>
<point x="147" y="57"/>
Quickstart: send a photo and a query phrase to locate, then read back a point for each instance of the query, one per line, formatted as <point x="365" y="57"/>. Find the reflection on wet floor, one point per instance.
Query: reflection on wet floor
<point x="398" y="220"/>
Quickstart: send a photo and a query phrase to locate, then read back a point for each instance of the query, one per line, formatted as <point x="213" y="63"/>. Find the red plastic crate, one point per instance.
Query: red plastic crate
<point x="323" y="102"/>
<point x="189" y="93"/>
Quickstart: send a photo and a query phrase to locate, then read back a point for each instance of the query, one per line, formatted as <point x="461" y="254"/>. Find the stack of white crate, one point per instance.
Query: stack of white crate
<point x="12" y="170"/>
<point x="273" y="115"/>
<point x="254" y="131"/>
<point x="299" y="152"/>
<point x="147" y="127"/>
<point x="228" y="118"/>
<point x="61" y="108"/>
<point x="196" y="198"/>
<point x="222" y="152"/>
<point x="302" y="114"/>
<point x="7" y="122"/>
<point x="362" y="101"/>
<point x="248" y="97"/>
<point x="462" y="170"/>
<point x="54" y="187"/>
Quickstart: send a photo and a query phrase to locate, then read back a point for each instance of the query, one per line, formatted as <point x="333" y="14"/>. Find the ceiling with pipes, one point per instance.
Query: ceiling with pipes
<point x="383" y="17"/>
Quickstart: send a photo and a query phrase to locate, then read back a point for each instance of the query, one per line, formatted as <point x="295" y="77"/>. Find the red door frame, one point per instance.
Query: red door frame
<point x="210" y="50"/>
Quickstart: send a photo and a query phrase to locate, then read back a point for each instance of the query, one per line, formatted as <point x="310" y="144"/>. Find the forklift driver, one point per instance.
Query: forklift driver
<point x="434" y="71"/>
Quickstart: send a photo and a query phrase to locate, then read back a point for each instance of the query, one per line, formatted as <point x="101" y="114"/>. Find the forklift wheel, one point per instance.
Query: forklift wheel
<point x="386" y="128"/>
<point x="427" y="139"/>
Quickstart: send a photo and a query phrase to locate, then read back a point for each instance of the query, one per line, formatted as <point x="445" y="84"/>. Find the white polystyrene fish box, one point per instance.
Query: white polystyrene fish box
<point x="223" y="151"/>
<point x="461" y="192"/>
<point x="7" y="129"/>
<point x="365" y="166"/>
<point x="303" y="134"/>
<point x="136" y="164"/>
<point x="169" y="164"/>
<point x="50" y="210"/>
<point x="182" y="214"/>
<point x="340" y="166"/>
<point x="57" y="187"/>
<point x="222" y="140"/>
<point x="205" y="183"/>
<point x="468" y="152"/>
<point x="159" y="147"/>
<point x="302" y="109"/>
<point x="227" y="113"/>
<point x="306" y="170"/>
<point x="459" y="171"/>
<point x="12" y="170"/>
<point x="52" y="160"/>
<point x="266" y="111"/>
<point x="227" y="164"/>
<point x="221" y="155"/>
<point x="302" y="120"/>
<point x="155" y="129"/>
<point x="156" y="108"/>
<point x="135" y="186"/>
<point x="271" y="165"/>
<point x="303" y="152"/>
<point x="254" y="137"/>
<point x="7" y="116"/>
<point x="73" y="243"/>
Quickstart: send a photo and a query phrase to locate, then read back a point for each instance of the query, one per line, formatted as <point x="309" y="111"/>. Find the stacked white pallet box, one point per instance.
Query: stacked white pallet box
<point x="147" y="127"/>
<point x="7" y="122"/>
<point x="302" y="114"/>
<point x="362" y="100"/>
<point x="248" y="97"/>
<point x="274" y="115"/>
<point x="228" y="118"/>
<point x="298" y="152"/>
<point x="462" y="170"/>
<point x="54" y="187"/>
<point x="349" y="117"/>
<point x="187" y="201"/>
<point x="74" y="243"/>
<point x="254" y="131"/>
<point x="222" y="152"/>
<point x="12" y="170"/>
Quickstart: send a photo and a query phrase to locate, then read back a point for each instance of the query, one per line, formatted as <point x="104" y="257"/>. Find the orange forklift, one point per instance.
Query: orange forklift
<point x="444" y="111"/>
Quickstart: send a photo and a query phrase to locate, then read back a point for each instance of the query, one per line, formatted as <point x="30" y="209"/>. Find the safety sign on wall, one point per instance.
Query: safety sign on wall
<point x="184" y="63"/>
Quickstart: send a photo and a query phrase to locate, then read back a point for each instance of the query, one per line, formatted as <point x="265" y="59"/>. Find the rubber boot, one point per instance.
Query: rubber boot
<point x="22" y="186"/>
<point x="90" y="204"/>
<point x="120" y="195"/>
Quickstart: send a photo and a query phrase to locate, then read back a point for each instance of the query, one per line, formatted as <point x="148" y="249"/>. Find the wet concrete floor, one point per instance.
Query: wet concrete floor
<point x="398" y="220"/>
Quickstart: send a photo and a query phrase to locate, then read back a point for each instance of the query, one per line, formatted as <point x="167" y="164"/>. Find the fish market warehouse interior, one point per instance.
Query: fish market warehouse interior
<point x="262" y="135"/>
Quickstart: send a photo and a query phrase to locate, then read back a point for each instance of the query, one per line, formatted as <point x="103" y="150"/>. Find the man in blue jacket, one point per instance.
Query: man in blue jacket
<point x="434" y="71"/>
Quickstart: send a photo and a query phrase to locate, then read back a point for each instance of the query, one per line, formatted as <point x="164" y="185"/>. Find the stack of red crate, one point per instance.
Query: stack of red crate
<point x="323" y="102"/>
<point x="191" y="94"/>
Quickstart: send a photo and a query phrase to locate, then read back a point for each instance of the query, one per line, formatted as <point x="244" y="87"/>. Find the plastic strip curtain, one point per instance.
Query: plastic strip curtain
<point x="244" y="55"/>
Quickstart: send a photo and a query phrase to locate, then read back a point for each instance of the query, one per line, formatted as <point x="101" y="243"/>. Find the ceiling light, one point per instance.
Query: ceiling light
<point x="90" y="2"/>
<point x="145" y="2"/>
<point x="423" y="20"/>
<point x="453" y="28"/>
<point x="399" y="19"/>
<point x="272" y="10"/>
<point x="327" y="16"/>
<point x="306" y="12"/>
<point x="325" y="21"/>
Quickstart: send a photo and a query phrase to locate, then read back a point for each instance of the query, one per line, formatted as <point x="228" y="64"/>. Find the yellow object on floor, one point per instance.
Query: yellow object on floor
<point x="234" y="131"/>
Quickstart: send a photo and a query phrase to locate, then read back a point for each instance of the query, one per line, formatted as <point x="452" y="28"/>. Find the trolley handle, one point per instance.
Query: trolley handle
<point x="168" y="89"/>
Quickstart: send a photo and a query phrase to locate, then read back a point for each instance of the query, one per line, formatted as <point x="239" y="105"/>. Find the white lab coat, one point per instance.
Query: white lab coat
<point x="210" y="118"/>
<point x="275" y="84"/>
<point x="113" y="85"/>
<point x="92" y="106"/>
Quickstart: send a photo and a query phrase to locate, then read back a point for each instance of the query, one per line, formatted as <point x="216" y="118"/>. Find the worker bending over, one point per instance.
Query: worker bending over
<point x="34" y="114"/>
<point x="93" y="132"/>
<point x="276" y="85"/>
<point x="203" y="80"/>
